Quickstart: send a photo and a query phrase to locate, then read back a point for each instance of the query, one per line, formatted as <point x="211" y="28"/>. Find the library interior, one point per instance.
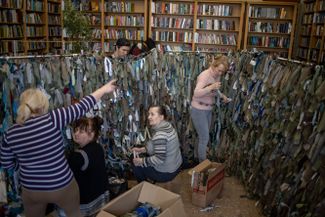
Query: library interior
<point x="144" y="108"/>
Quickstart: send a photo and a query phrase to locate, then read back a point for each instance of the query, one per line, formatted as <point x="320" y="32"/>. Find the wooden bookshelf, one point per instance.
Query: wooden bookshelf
<point x="125" y="18"/>
<point x="172" y="23"/>
<point x="11" y="27"/>
<point x="219" y="25"/>
<point x="311" y="38"/>
<point x="197" y="25"/>
<point x="54" y="20"/>
<point x="111" y="20"/>
<point x="30" y="26"/>
<point x="35" y="27"/>
<point x="270" y="27"/>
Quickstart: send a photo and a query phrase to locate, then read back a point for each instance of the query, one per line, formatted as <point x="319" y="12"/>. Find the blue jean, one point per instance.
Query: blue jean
<point x="150" y="174"/>
<point x="201" y="120"/>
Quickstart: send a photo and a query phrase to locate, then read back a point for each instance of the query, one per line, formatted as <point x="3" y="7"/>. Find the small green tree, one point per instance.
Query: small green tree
<point x="77" y="26"/>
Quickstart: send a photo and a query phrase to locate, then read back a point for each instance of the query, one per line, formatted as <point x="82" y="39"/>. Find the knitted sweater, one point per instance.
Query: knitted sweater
<point x="203" y="98"/>
<point x="164" y="149"/>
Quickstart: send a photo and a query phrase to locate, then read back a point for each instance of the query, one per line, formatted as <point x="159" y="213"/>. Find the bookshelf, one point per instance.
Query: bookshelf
<point x="172" y="23"/>
<point x="311" y="40"/>
<point x="11" y="27"/>
<point x="111" y="20"/>
<point x="219" y="25"/>
<point x="270" y="27"/>
<point x="35" y="26"/>
<point x="54" y="18"/>
<point x="209" y="25"/>
<point x="124" y="18"/>
<point x="30" y="26"/>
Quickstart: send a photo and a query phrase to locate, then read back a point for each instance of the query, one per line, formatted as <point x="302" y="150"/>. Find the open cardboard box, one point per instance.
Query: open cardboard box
<point x="203" y="196"/>
<point x="170" y="204"/>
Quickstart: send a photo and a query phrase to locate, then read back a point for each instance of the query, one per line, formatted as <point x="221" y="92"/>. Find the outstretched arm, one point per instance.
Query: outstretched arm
<point x="107" y="88"/>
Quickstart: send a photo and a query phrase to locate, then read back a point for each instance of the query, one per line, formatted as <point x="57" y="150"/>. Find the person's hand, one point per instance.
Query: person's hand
<point x="139" y="149"/>
<point x="110" y="86"/>
<point x="138" y="161"/>
<point x="215" y="86"/>
<point x="226" y="99"/>
<point x="107" y="88"/>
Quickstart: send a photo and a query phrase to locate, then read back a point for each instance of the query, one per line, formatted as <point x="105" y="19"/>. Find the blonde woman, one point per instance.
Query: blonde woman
<point x="203" y="100"/>
<point x="35" y="143"/>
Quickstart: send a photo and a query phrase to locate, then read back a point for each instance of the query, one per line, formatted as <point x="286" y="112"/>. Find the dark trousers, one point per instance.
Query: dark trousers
<point x="152" y="175"/>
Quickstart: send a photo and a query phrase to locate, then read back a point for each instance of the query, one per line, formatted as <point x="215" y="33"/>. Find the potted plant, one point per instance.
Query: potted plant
<point x="77" y="27"/>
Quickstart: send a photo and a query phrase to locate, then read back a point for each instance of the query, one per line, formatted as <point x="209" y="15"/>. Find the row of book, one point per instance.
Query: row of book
<point x="215" y="24"/>
<point x="215" y="10"/>
<point x="36" y="45"/>
<point x="34" y="5"/>
<point x="86" y="5"/>
<point x="212" y="49"/>
<point x="12" y="31"/>
<point x="319" y="18"/>
<point x="109" y="46"/>
<point x="304" y="42"/>
<point x="309" y="6"/>
<point x="169" y="47"/>
<point x="33" y="18"/>
<point x="169" y="36"/>
<point x="119" y="6"/>
<point x="54" y="20"/>
<point x="18" y="4"/>
<point x="302" y="53"/>
<point x="306" y="30"/>
<point x="314" y="54"/>
<point x="322" y="5"/>
<point x="172" y="22"/>
<point x="9" y="16"/>
<point x="11" y="46"/>
<point x="56" y="45"/>
<point x="96" y="33"/>
<point x="270" y="27"/>
<point x="172" y="8"/>
<point x="318" y="43"/>
<point x="319" y="30"/>
<point x="124" y="33"/>
<point x="307" y="19"/>
<point x="217" y="39"/>
<point x="265" y="12"/>
<point x="270" y="42"/>
<point x="53" y="8"/>
<point x="35" y="31"/>
<point x="93" y="19"/>
<point x="55" y="31"/>
<point x="124" y="20"/>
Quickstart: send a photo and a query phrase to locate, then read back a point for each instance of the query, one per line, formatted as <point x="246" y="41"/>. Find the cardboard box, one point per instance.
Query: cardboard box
<point x="206" y="186"/>
<point x="170" y="204"/>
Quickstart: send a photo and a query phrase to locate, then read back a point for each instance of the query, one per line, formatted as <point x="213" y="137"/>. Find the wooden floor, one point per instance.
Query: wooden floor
<point x="232" y="202"/>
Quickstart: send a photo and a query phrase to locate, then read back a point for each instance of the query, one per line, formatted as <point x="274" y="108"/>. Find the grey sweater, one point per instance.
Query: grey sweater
<point x="164" y="149"/>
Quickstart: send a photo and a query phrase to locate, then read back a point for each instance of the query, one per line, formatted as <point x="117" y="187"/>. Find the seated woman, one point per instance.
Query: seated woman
<point x="88" y="165"/>
<point x="163" y="159"/>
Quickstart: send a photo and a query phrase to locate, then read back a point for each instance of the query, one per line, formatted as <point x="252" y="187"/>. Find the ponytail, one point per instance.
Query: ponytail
<point x="24" y="113"/>
<point x="32" y="102"/>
